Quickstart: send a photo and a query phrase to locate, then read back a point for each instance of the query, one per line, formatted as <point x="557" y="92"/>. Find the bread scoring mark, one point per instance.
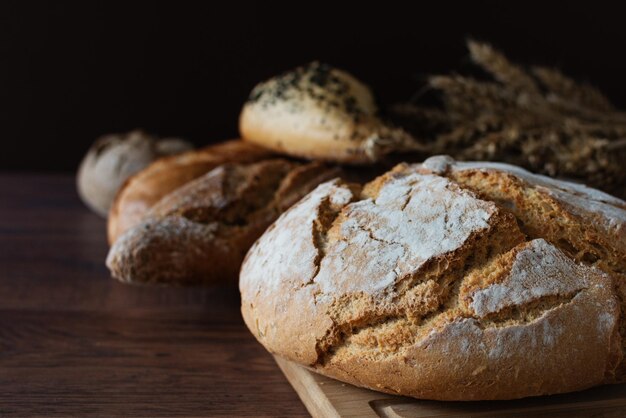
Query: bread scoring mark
<point x="535" y="330"/>
<point x="393" y="332"/>
<point x="539" y="270"/>
<point x="327" y="212"/>
<point x="469" y="336"/>
<point x="393" y="336"/>
<point x="289" y="251"/>
<point x="449" y="327"/>
<point x="579" y="198"/>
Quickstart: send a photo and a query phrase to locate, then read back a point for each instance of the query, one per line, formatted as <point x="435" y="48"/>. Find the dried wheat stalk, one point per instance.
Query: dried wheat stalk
<point x="537" y="118"/>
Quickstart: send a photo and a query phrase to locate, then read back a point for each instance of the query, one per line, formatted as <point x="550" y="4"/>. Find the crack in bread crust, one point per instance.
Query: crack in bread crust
<point x="327" y="214"/>
<point x="369" y="336"/>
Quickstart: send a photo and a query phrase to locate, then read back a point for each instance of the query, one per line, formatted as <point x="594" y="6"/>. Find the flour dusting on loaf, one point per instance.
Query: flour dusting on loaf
<point x="539" y="270"/>
<point x="413" y="219"/>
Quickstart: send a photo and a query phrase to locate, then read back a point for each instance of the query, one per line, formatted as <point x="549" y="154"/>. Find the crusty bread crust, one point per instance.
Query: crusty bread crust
<point x="200" y="232"/>
<point x="319" y="112"/>
<point x="144" y="189"/>
<point x="430" y="283"/>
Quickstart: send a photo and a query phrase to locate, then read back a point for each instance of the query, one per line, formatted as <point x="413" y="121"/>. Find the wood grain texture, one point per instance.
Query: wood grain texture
<point x="73" y="342"/>
<point x="326" y="397"/>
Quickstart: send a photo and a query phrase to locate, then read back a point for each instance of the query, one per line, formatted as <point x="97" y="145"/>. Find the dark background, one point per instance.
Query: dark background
<point x="70" y="72"/>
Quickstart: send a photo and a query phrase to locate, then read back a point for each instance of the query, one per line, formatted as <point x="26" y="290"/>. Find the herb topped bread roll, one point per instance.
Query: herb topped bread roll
<point x="144" y="189"/>
<point x="448" y="281"/>
<point x="200" y="232"/>
<point x="319" y="112"/>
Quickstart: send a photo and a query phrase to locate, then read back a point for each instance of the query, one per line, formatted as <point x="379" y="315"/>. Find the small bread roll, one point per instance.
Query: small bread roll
<point x="320" y="112"/>
<point x="148" y="186"/>
<point x="113" y="158"/>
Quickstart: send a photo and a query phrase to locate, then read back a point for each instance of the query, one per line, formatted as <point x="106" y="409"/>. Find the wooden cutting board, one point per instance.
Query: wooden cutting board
<point x="326" y="397"/>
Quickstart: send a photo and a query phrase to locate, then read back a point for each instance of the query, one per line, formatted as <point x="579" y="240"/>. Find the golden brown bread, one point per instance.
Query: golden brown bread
<point x="145" y="188"/>
<point x="320" y="112"/>
<point x="446" y="280"/>
<point x="200" y="232"/>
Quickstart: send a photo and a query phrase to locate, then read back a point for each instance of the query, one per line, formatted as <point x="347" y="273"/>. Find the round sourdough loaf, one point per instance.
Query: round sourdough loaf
<point x="320" y="112"/>
<point x="142" y="190"/>
<point x="446" y="280"/>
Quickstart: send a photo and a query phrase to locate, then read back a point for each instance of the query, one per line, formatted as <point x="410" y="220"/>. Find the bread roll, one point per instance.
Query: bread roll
<point x="113" y="158"/>
<point x="447" y="281"/>
<point x="319" y="112"/>
<point x="200" y="232"/>
<point x="145" y="188"/>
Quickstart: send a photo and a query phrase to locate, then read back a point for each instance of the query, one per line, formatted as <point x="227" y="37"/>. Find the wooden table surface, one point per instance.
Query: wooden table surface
<point x="73" y="342"/>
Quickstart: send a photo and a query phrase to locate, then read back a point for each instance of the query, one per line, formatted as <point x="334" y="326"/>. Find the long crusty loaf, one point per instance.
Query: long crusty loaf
<point x="200" y="232"/>
<point x="144" y="189"/>
<point x="445" y="280"/>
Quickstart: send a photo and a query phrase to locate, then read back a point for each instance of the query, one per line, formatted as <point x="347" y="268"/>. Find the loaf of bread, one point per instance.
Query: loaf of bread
<point x="448" y="281"/>
<point x="200" y="232"/>
<point x="114" y="158"/>
<point x="320" y="112"/>
<point x="145" y="188"/>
